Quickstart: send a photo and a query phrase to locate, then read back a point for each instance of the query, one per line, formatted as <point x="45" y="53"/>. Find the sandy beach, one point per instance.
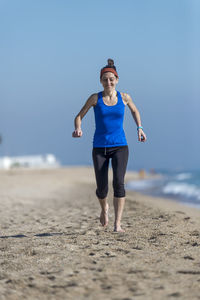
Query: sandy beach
<point x="52" y="245"/>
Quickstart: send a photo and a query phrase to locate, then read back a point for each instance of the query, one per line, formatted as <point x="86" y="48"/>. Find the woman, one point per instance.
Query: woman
<point x="109" y="140"/>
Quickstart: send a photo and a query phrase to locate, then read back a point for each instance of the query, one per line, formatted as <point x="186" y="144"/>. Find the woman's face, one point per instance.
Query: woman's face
<point x="109" y="81"/>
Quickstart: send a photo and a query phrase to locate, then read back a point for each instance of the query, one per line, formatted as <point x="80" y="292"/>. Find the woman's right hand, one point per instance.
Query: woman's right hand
<point x="141" y="136"/>
<point x="77" y="133"/>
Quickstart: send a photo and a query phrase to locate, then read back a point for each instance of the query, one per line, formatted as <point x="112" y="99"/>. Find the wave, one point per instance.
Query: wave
<point x="182" y="189"/>
<point x="182" y="186"/>
<point x="183" y="176"/>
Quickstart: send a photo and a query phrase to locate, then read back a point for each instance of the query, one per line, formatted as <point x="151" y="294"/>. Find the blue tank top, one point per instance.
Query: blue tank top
<point x="109" y="123"/>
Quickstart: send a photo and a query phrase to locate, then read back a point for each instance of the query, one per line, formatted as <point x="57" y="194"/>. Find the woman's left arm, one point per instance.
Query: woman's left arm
<point x="136" y="116"/>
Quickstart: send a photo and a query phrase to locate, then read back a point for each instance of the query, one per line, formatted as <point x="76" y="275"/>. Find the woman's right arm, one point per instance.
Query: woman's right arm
<point x="92" y="101"/>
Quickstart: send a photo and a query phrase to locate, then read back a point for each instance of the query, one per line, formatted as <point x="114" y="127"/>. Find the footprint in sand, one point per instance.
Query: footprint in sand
<point x="123" y="251"/>
<point x="195" y="233"/>
<point x="134" y="271"/>
<point x="188" y="257"/>
<point x="195" y="244"/>
<point x="176" y="294"/>
<point x="189" y="272"/>
<point x="106" y="287"/>
<point x="137" y="248"/>
<point x="51" y="277"/>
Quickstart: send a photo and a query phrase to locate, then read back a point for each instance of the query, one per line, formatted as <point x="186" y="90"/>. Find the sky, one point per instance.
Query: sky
<point x="50" y="58"/>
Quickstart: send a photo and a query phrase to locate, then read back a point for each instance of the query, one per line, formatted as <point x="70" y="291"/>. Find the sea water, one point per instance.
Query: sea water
<point x="180" y="186"/>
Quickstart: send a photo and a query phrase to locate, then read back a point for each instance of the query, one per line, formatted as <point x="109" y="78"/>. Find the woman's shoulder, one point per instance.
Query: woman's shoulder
<point x="125" y="97"/>
<point x="93" y="99"/>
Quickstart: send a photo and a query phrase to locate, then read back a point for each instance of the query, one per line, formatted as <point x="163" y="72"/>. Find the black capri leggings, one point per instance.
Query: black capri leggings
<point x="119" y="158"/>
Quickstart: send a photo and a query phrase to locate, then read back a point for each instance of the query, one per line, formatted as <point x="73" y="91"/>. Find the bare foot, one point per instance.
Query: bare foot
<point x="104" y="216"/>
<point x="118" y="229"/>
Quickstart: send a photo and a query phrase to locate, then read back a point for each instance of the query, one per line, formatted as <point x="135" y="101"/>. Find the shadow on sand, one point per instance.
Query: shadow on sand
<point x="38" y="235"/>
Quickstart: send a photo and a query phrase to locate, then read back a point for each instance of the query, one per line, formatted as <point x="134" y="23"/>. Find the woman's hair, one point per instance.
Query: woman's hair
<point x="110" y="67"/>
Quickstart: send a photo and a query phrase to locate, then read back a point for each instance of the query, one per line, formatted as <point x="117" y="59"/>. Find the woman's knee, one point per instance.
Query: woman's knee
<point x="119" y="190"/>
<point x="102" y="193"/>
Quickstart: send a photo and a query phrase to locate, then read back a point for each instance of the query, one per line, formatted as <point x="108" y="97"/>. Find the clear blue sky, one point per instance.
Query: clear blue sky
<point x="50" y="57"/>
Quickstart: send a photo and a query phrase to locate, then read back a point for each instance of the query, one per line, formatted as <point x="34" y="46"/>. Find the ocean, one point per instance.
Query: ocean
<point x="183" y="187"/>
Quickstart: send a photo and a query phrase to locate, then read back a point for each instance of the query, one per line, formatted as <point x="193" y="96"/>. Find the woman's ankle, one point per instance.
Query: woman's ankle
<point x="103" y="204"/>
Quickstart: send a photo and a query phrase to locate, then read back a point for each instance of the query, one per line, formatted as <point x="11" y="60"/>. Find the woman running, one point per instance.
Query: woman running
<point x="109" y="140"/>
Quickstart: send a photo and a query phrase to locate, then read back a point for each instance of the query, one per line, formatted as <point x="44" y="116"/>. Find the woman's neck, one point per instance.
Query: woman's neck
<point x="110" y="94"/>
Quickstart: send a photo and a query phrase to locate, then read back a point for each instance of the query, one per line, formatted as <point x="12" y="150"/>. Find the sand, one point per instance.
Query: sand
<point x="52" y="245"/>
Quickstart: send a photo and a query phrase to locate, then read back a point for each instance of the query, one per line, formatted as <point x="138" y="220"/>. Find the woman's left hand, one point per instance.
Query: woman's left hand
<point x="141" y="136"/>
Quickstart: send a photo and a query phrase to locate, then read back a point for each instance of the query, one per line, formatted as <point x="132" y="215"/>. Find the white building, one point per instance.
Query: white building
<point x="29" y="161"/>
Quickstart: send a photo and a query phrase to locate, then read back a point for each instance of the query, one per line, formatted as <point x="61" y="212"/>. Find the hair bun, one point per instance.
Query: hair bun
<point x="110" y="62"/>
